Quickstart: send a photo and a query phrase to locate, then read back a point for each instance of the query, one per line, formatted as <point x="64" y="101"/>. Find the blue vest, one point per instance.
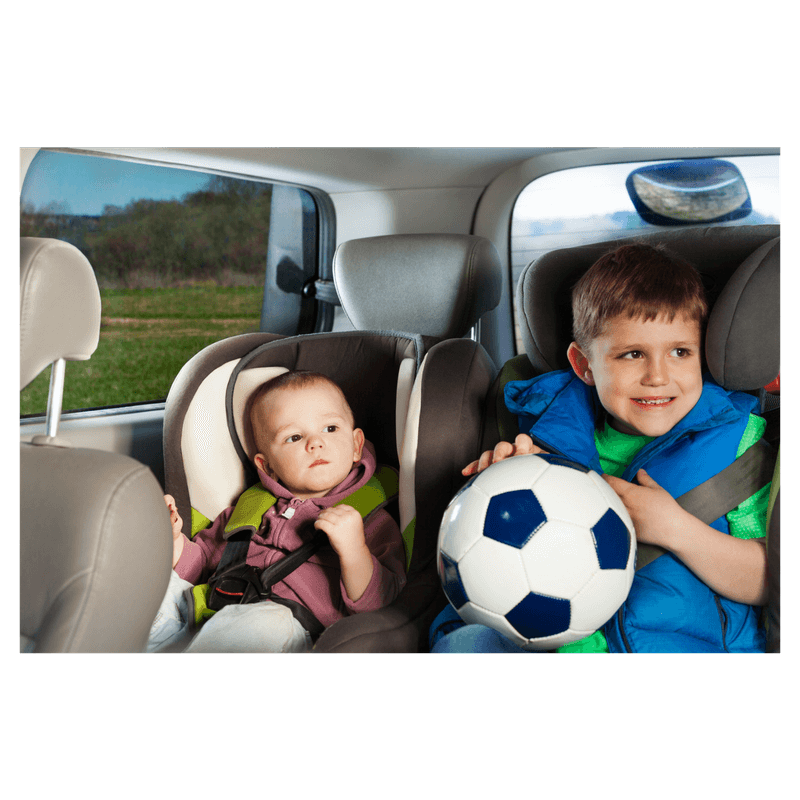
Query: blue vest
<point x="669" y="609"/>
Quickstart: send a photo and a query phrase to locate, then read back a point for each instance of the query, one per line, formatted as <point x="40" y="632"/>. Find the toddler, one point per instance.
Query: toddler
<point x="310" y="457"/>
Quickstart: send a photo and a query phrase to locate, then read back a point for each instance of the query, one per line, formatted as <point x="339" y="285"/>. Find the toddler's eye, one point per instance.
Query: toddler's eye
<point x="295" y="437"/>
<point x="331" y="428"/>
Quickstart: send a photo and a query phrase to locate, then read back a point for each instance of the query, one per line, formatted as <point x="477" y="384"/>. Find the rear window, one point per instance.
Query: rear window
<point x="591" y="204"/>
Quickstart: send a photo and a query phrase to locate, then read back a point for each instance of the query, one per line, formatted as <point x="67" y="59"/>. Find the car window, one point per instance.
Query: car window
<point x="591" y="204"/>
<point x="180" y="257"/>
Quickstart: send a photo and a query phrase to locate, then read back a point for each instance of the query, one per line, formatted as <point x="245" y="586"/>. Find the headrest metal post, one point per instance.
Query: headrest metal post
<point x="56" y="396"/>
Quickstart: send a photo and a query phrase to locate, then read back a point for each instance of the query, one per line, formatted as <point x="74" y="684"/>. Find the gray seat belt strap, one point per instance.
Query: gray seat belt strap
<point x="722" y="492"/>
<point x="727" y="489"/>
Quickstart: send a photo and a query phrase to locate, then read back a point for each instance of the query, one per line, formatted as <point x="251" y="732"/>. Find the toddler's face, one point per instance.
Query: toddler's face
<point x="648" y="374"/>
<point x="306" y="439"/>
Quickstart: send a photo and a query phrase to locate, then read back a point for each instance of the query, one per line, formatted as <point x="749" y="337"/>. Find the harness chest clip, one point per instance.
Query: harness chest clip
<point x="240" y="584"/>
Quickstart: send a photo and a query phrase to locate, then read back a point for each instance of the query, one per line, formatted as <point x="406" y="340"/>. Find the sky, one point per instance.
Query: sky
<point x="92" y="183"/>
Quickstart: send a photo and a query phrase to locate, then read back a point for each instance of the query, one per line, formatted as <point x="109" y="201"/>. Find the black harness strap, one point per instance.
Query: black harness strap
<point x="235" y="582"/>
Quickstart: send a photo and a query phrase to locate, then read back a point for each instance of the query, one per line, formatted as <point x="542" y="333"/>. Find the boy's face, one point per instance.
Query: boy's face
<point x="647" y="374"/>
<point x="306" y="438"/>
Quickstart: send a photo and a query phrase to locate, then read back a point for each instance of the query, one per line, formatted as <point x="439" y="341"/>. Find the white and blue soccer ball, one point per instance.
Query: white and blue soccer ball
<point x="539" y="548"/>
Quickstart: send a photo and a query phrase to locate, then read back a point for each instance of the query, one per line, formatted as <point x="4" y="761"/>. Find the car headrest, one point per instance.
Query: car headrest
<point x="59" y="306"/>
<point x="429" y="284"/>
<point x="743" y="333"/>
<point x="544" y="290"/>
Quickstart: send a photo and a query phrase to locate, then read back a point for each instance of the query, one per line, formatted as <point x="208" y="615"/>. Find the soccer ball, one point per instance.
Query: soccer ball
<point x="539" y="548"/>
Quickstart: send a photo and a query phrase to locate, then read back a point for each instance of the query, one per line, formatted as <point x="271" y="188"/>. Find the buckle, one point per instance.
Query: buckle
<point x="242" y="585"/>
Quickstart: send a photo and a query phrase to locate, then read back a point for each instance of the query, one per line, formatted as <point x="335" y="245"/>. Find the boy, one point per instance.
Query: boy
<point x="636" y="398"/>
<point x="310" y="457"/>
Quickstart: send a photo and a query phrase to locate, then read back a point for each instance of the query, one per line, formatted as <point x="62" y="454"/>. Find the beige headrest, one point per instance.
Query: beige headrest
<point x="59" y="306"/>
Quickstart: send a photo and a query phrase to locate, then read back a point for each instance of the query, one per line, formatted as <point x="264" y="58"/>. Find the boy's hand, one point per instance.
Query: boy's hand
<point x="656" y="515"/>
<point x="523" y="446"/>
<point x="174" y="516"/>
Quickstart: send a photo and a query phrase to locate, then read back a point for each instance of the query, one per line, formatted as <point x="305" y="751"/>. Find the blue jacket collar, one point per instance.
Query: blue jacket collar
<point x="567" y="426"/>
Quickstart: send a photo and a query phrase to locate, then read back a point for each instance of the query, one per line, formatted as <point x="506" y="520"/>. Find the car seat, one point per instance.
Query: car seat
<point x="417" y="291"/>
<point x="95" y="535"/>
<point x="740" y="267"/>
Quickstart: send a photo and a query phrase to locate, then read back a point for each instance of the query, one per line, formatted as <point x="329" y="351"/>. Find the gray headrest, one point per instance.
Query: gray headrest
<point x="743" y="334"/>
<point x="543" y="296"/>
<point x="430" y="284"/>
<point x="59" y="306"/>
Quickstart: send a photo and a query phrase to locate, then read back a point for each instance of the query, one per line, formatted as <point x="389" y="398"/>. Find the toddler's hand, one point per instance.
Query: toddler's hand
<point x="523" y="446"/>
<point x="174" y="516"/>
<point x="344" y="528"/>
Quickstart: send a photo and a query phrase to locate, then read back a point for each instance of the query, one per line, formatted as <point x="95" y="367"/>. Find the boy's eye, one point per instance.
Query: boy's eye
<point x="295" y="437"/>
<point x="331" y="428"/>
<point x="676" y="352"/>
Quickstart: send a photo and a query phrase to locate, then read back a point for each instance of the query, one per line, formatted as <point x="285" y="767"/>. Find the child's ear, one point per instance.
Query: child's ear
<point x="261" y="462"/>
<point x="580" y="364"/>
<point x="358" y="444"/>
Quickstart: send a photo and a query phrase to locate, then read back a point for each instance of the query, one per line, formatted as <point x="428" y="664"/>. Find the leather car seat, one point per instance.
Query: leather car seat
<point x="95" y="535"/>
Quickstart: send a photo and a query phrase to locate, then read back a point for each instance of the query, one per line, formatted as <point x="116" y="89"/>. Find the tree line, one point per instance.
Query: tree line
<point x="219" y="233"/>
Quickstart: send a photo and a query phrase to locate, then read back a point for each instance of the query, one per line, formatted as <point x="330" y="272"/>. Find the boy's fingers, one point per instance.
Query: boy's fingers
<point x="617" y="484"/>
<point x="645" y="480"/>
<point x="523" y="445"/>
<point x="486" y="460"/>
<point x="502" y="451"/>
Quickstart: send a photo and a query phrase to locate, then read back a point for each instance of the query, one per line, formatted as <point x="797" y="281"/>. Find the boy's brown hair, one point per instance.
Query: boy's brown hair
<point x="636" y="281"/>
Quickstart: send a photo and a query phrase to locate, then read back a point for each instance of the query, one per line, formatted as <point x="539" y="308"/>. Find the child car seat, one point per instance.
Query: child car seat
<point x="206" y="447"/>
<point x="740" y="267"/>
<point x="95" y="536"/>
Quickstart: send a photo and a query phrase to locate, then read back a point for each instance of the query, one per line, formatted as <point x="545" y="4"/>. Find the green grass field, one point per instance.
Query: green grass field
<point x="147" y="335"/>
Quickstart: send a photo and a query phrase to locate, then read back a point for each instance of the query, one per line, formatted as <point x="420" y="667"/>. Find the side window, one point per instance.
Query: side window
<point x="182" y="258"/>
<point x="592" y="204"/>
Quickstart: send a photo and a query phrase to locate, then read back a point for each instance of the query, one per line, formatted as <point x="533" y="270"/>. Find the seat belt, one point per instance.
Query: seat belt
<point x="733" y="485"/>
<point x="722" y="492"/>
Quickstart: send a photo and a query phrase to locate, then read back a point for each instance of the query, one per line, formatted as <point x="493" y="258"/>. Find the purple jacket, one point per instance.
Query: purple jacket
<point x="317" y="583"/>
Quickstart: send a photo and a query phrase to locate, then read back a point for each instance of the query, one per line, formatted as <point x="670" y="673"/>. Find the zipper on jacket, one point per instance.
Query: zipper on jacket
<point x="723" y="621"/>
<point x="628" y="648"/>
<point x="277" y="522"/>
